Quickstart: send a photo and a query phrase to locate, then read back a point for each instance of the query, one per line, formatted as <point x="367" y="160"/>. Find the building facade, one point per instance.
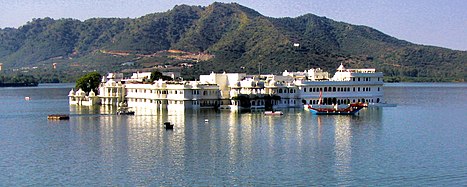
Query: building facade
<point x="239" y="90"/>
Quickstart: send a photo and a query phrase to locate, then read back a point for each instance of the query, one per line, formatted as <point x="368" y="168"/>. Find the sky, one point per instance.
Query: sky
<point x="440" y="23"/>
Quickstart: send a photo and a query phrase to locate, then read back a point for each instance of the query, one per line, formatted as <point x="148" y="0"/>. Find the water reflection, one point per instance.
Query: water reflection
<point x="342" y="149"/>
<point x="225" y="144"/>
<point x="343" y="138"/>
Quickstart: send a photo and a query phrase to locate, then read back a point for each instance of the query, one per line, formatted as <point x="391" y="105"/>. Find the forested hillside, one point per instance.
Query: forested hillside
<point x="220" y="37"/>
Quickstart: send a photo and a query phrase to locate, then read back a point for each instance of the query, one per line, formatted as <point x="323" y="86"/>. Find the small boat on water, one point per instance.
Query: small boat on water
<point x="125" y="111"/>
<point x="168" y="125"/>
<point x="58" y="117"/>
<point x="273" y="113"/>
<point x="350" y="109"/>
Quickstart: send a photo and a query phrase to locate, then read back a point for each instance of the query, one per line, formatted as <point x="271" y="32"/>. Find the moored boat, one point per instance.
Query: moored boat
<point x="273" y="113"/>
<point x="58" y="117"/>
<point x="350" y="109"/>
<point x="125" y="111"/>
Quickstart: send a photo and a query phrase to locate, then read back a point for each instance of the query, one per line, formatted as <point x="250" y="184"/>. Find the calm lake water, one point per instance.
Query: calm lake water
<point x="421" y="142"/>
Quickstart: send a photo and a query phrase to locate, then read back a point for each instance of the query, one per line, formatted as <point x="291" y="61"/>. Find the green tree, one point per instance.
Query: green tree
<point x="156" y="75"/>
<point x="89" y="82"/>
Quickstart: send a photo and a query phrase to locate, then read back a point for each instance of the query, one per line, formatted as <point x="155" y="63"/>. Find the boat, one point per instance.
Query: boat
<point x="273" y="113"/>
<point x="125" y="111"/>
<point x="350" y="109"/>
<point x="168" y="125"/>
<point x="58" y="117"/>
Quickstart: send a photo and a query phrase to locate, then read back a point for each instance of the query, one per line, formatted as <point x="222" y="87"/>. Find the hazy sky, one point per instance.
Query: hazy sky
<point x="430" y="22"/>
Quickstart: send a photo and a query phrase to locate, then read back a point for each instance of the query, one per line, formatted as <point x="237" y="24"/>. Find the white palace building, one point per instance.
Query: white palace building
<point x="238" y="90"/>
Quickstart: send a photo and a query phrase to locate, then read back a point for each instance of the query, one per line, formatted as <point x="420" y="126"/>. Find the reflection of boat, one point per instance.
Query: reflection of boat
<point x="125" y="111"/>
<point x="168" y="125"/>
<point x="350" y="109"/>
<point x="273" y="113"/>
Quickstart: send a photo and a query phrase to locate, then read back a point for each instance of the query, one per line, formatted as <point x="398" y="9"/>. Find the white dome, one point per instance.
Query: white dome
<point x="80" y="92"/>
<point x="111" y="82"/>
<point x="92" y="94"/>
<point x="71" y="93"/>
<point x="341" y="68"/>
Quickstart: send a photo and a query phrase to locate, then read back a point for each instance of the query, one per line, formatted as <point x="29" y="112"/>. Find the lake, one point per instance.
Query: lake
<point x="421" y="142"/>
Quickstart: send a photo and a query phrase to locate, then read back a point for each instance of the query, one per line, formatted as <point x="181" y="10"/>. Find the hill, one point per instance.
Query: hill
<point x="220" y="37"/>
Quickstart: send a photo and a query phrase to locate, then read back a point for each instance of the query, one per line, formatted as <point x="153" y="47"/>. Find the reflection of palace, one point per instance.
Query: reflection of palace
<point x="238" y="90"/>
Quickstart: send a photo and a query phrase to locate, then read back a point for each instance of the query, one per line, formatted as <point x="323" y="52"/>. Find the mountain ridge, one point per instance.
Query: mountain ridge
<point x="240" y="38"/>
